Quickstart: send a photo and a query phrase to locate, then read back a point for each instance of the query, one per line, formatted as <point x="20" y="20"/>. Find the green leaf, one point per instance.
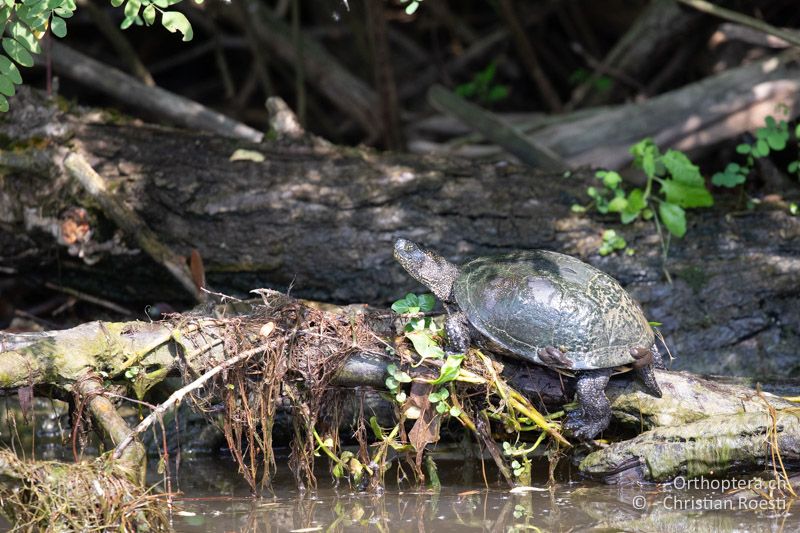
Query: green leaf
<point x="682" y="169"/>
<point x="617" y="204"/>
<point x="743" y="149"/>
<point x="731" y="177"/>
<point x="17" y="52"/>
<point x="450" y="368"/>
<point x="132" y="8"/>
<point x="636" y="200"/>
<point x="424" y="345"/>
<point x="647" y="213"/>
<point x="498" y="93"/>
<point x="441" y="408"/>
<point x="673" y="217"/>
<point x="176" y="21"/>
<point x="686" y="195"/>
<point x="577" y="208"/>
<point x="409" y="304"/>
<point x="392" y="383"/>
<point x="6" y="86"/>
<point x="149" y="14"/>
<point x="392" y="369"/>
<point x="25" y="36"/>
<point x="3" y="104"/>
<point x="58" y="27"/>
<point x="793" y="166"/>
<point x="776" y="140"/>
<point x="402" y="377"/>
<point x="645" y="153"/>
<point x="64" y="13"/>
<point x="426" y="302"/>
<point x="761" y="149"/>
<point x="117" y="3"/>
<point x="455" y="412"/>
<point x="610" y="178"/>
<point x="9" y="69"/>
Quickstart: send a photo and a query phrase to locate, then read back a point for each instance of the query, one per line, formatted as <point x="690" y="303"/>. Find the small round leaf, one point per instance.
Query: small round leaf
<point x="58" y="27"/>
<point x="17" y="52"/>
<point x="149" y="14"/>
<point x="7" y="68"/>
<point x="6" y="86"/>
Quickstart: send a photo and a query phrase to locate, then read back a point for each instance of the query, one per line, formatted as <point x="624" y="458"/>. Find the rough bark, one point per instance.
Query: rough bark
<point x="322" y="220"/>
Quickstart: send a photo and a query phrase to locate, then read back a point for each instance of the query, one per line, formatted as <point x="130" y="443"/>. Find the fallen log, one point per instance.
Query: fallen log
<point x="322" y="219"/>
<point x="305" y="353"/>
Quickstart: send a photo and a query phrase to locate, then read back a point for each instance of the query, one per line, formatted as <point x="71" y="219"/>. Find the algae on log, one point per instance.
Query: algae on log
<point x="696" y="422"/>
<point x="323" y="219"/>
<point x="712" y="446"/>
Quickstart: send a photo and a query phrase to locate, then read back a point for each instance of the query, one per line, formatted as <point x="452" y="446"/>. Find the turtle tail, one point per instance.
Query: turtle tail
<point x="648" y="379"/>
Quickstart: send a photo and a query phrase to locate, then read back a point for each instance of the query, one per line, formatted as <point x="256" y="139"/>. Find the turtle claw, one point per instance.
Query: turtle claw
<point x="642" y="357"/>
<point x="552" y="356"/>
<point x="583" y="426"/>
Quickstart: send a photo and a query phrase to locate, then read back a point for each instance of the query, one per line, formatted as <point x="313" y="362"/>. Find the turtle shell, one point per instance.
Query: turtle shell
<point x="525" y="301"/>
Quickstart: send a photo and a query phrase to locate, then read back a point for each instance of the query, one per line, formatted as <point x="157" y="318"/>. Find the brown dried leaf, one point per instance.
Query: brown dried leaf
<point x="426" y="428"/>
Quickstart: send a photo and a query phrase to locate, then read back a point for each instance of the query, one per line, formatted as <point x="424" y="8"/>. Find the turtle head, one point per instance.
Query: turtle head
<point x="427" y="267"/>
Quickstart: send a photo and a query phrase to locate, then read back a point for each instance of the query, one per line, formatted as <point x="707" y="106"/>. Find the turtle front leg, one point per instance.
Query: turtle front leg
<point x="458" y="338"/>
<point x="594" y="410"/>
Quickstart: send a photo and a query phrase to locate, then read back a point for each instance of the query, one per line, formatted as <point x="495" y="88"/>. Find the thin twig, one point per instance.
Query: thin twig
<point x="744" y="20"/>
<point x="170" y="106"/>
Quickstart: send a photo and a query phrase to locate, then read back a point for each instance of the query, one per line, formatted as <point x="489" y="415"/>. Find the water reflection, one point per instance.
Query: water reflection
<point x="563" y="507"/>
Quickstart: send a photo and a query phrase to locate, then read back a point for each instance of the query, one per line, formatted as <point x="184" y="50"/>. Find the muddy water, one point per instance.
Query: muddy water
<point x="213" y="499"/>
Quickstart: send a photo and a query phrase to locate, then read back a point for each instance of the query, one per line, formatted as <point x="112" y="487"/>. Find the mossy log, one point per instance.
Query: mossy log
<point x="697" y="423"/>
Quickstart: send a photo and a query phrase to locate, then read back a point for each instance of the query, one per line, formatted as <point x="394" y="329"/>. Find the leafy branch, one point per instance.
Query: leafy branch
<point x="24" y="25"/>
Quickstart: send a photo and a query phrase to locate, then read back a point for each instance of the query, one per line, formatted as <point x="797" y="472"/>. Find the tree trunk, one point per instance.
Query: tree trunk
<point x="322" y="220"/>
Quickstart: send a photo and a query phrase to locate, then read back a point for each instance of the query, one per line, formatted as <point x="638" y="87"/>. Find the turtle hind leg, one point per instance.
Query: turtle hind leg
<point x="594" y="410"/>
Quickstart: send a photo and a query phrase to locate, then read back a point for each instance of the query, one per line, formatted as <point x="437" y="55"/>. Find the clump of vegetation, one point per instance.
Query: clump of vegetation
<point x="27" y="23"/>
<point x="483" y="88"/>
<point x="681" y="186"/>
<point x="773" y="137"/>
<point x="54" y="496"/>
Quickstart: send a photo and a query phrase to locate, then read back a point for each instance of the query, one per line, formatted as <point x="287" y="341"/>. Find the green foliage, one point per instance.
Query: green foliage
<point x="732" y="176"/>
<point x="426" y="337"/>
<point x="600" y="84"/>
<point x="423" y="332"/>
<point x="450" y="368"/>
<point x="26" y="22"/>
<point x="482" y="87"/>
<point x="681" y="186"/>
<point x="394" y="382"/>
<point x="773" y="137"/>
<point x="412" y="304"/>
<point x="612" y="242"/>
